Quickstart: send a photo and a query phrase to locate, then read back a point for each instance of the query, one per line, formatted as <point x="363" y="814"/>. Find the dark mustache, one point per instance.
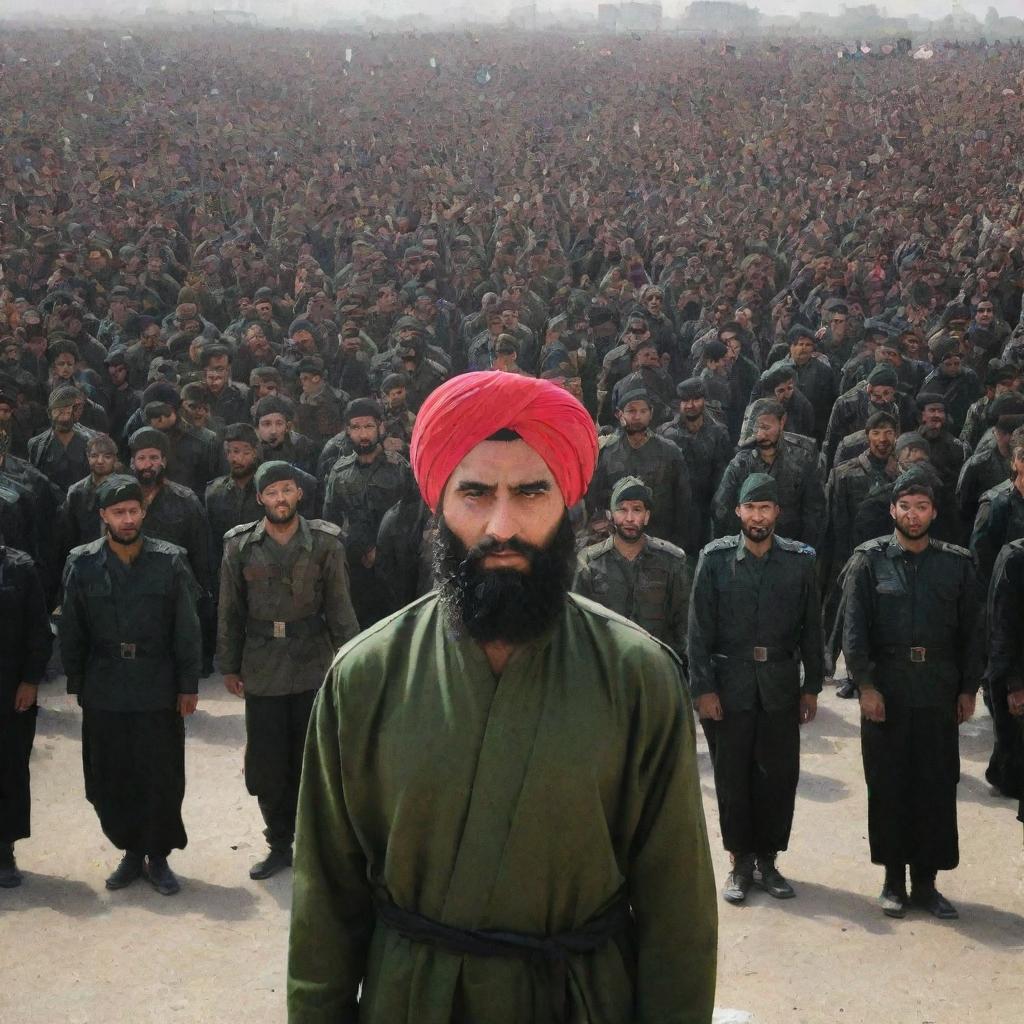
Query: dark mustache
<point x="490" y="546"/>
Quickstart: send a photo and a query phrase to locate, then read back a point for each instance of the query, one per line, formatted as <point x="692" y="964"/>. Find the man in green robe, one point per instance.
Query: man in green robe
<point x="500" y="819"/>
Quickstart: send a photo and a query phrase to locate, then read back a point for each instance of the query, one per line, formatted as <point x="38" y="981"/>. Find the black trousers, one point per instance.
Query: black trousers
<point x="912" y="766"/>
<point x="17" y="732"/>
<point x="1006" y="765"/>
<point x="275" y="732"/>
<point x="134" y="765"/>
<point x="371" y="597"/>
<point x="756" y="757"/>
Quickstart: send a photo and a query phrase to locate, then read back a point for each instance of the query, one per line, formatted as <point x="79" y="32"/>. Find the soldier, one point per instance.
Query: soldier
<point x="913" y="649"/>
<point x="814" y="376"/>
<point x="948" y="452"/>
<point x="636" y="451"/>
<point x="229" y="400"/>
<point x="1000" y="517"/>
<point x="643" y="578"/>
<point x="131" y="648"/>
<point x="320" y="408"/>
<point x="275" y="424"/>
<point x="779" y="382"/>
<point x="755" y="616"/>
<point x="957" y="383"/>
<point x="285" y="610"/>
<point x="405" y="547"/>
<point x="988" y="467"/>
<point x="26" y="641"/>
<point x="361" y="487"/>
<point x="398" y="417"/>
<point x="853" y="408"/>
<point x="60" y="451"/>
<point x="794" y="463"/>
<point x="79" y="514"/>
<point x="119" y="398"/>
<point x="232" y="499"/>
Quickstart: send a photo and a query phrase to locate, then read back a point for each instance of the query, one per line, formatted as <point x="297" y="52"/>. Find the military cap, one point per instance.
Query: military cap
<point x="913" y="481"/>
<point x="195" y="392"/>
<point x="884" y="376"/>
<point x="798" y="331"/>
<point x="636" y="395"/>
<point x="311" y="364"/>
<point x="274" y="405"/>
<point x="942" y="346"/>
<point x="631" y="488"/>
<point x="927" y="398"/>
<point x="263" y="295"/>
<point x="148" y="437"/>
<point x="881" y="419"/>
<point x="62" y="397"/>
<point x="274" y="472"/>
<point x="116" y="358"/>
<point x="693" y="387"/>
<point x="759" y="487"/>
<point x="1005" y="407"/>
<point x="117" y="488"/>
<point x="162" y="391"/>
<point x="264" y="373"/>
<point x="8" y="397"/>
<point x="877" y="327"/>
<point x="301" y="325"/>
<point x="244" y="433"/>
<point x="912" y="439"/>
<point x="363" y="407"/>
<point x="392" y="381"/>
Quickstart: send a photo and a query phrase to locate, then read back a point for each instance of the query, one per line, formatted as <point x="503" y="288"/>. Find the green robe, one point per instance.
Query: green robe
<point x="522" y="803"/>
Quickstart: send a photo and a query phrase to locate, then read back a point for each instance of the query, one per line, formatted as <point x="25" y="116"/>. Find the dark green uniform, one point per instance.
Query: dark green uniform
<point x="63" y="464"/>
<point x="284" y="610"/>
<point x="652" y="590"/>
<point x="797" y="471"/>
<point x="660" y="464"/>
<point x="911" y="632"/>
<point x="980" y="473"/>
<point x="753" y="621"/>
<point x="130" y="643"/>
<point x="1000" y="519"/>
<point x="849" y="415"/>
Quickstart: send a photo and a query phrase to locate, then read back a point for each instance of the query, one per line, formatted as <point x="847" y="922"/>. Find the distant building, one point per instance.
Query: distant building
<point x="629" y="17"/>
<point x="720" y="16"/>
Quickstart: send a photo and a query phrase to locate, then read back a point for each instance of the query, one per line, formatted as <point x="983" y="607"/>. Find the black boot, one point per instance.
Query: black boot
<point x="127" y="871"/>
<point x="771" y="880"/>
<point x="893" y="899"/>
<point x="740" y="879"/>
<point x="276" y="860"/>
<point x="161" y="877"/>
<point x="10" y="876"/>
<point x="923" y="894"/>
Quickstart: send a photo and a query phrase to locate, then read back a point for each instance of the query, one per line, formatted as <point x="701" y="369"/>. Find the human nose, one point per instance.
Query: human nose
<point x="503" y="522"/>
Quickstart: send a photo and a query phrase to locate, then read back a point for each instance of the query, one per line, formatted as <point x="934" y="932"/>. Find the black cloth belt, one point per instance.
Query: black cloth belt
<point x="126" y="650"/>
<point x="757" y="653"/>
<point x="311" y="625"/>
<point x="551" y="951"/>
<point x="917" y="655"/>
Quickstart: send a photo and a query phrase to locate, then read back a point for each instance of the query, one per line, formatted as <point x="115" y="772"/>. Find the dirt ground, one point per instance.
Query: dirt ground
<point x="75" y="954"/>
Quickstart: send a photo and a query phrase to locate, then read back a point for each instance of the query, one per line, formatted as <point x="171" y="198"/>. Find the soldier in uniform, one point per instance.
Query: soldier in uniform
<point x="794" y="463"/>
<point x="26" y="641"/>
<point x="274" y="417"/>
<point x="320" y="407"/>
<point x="643" y="578"/>
<point x="755" y="616"/>
<point x="635" y="450"/>
<point x="853" y="408"/>
<point x="60" y="451"/>
<point x="1000" y="517"/>
<point x="361" y="487"/>
<point x="948" y="453"/>
<point x="79" y="514"/>
<point x="988" y="467"/>
<point x="285" y="610"/>
<point x="131" y="647"/>
<point x="913" y="648"/>
<point x="232" y="499"/>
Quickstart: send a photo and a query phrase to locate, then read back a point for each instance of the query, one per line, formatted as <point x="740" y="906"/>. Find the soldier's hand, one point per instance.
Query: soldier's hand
<point x="233" y="684"/>
<point x="25" y="696"/>
<point x="965" y="708"/>
<point x="808" y="707"/>
<point x="187" y="703"/>
<point x="872" y="705"/>
<point x="709" y="706"/>
<point x="1015" y="701"/>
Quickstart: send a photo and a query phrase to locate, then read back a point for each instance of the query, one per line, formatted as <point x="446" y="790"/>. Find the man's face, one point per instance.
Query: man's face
<point x="150" y="337"/>
<point x="62" y="419"/>
<point x="636" y="333"/>
<point x="304" y="340"/>
<point x="364" y="433"/>
<point x="310" y="382"/>
<point x="280" y="501"/>
<point x="647" y="358"/>
<point x="913" y="515"/>
<point x="495" y="324"/>
<point x="124" y="520"/>
<point x="262" y="388"/>
<point x="273" y="429"/>
<point x="881" y="394"/>
<point x="164" y="422"/>
<point x="881" y="441"/>
<point x="985" y="314"/>
<point x="653" y="303"/>
<point x="117" y="374"/>
<point x="950" y="366"/>
<point x="64" y="366"/>
<point x="784" y="391"/>
<point x="9" y="354"/>
<point x="767" y="431"/>
<point x="837" y="323"/>
<point x="148" y="465"/>
<point x="1007" y="385"/>
<point x="910" y="455"/>
<point x="101" y="461"/>
<point x="630" y="519"/>
<point x="195" y="412"/>
<point x="635" y="417"/>
<point x="217" y="374"/>
<point x="933" y="419"/>
<point x="757" y="519"/>
<point x="256" y="342"/>
<point x="36" y="344"/>
<point x="396" y="398"/>
<point x="242" y="459"/>
<point x="265" y="310"/>
<point x="801" y="350"/>
<point x="691" y="408"/>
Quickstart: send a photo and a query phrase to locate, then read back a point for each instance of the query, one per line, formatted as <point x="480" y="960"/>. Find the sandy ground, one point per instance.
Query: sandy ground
<point x="75" y="954"/>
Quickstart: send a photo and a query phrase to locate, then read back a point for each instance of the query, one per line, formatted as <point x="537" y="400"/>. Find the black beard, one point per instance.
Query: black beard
<point x="364" y="447"/>
<point x="120" y="538"/>
<point x="633" y="430"/>
<point x="634" y="535"/>
<point x="912" y="536"/>
<point x="757" y="533"/>
<point x="502" y="605"/>
<point x="281" y="519"/>
<point x="150" y="477"/>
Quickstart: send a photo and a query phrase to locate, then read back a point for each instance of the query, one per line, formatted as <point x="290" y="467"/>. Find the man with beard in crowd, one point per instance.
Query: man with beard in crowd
<point x="284" y="610"/>
<point x="913" y="646"/>
<point x="274" y="417"/>
<point x="443" y="754"/>
<point x="131" y="648"/>
<point x="645" y="579"/>
<point x="79" y="514"/>
<point x="853" y="408"/>
<point x="755" y="617"/>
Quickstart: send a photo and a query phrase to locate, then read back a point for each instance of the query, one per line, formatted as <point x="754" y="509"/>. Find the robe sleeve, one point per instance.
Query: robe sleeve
<point x="332" y="911"/>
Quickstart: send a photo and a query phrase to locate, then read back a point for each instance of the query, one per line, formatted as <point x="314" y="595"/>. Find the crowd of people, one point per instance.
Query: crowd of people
<point x="236" y="264"/>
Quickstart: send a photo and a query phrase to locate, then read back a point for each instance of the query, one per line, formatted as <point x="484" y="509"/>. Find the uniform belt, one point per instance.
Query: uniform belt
<point x="757" y="653"/>
<point x="917" y="655"/>
<point x="125" y="650"/>
<point x="551" y="952"/>
<point x="278" y="630"/>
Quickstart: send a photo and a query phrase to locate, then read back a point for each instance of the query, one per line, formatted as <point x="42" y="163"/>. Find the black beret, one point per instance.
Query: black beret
<point x="274" y="404"/>
<point x="930" y="398"/>
<point x="392" y="381"/>
<point x="883" y="375"/>
<point x="117" y="488"/>
<point x="273" y="473"/>
<point x="635" y="395"/>
<point x="631" y="488"/>
<point x="162" y="391"/>
<point x="759" y="487"/>
<point x="312" y="364"/>
<point x="243" y="432"/>
<point x="693" y="387"/>
<point x="301" y="325"/>
<point x="363" y="407"/>
<point x="913" y="481"/>
<point x="148" y="437"/>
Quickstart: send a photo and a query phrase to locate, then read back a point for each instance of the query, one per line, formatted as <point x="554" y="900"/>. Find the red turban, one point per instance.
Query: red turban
<point x="469" y="408"/>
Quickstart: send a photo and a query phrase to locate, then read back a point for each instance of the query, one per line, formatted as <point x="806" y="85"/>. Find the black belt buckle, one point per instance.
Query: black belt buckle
<point x="918" y="655"/>
<point x="760" y="654"/>
<point x="128" y="652"/>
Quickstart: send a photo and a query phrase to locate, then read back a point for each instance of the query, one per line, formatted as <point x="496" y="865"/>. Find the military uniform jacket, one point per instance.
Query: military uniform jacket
<point x="62" y="464"/>
<point x="25" y="637"/>
<point x="284" y="610"/>
<point x="194" y="458"/>
<point x="899" y="605"/>
<point x="177" y="516"/>
<point x="1005" y="615"/>
<point x="849" y="485"/>
<point x="79" y="515"/>
<point x="797" y="471"/>
<point x="358" y="494"/>
<point x="660" y="464"/>
<point x="296" y="449"/>
<point x="960" y="392"/>
<point x="1000" y="519"/>
<point x="752" y="622"/>
<point x="980" y="473"/>
<point x="129" y="636"/>
<point x="232" y="405"/>
<point x="849" y="415"/>
<point x="652" y="590"/>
